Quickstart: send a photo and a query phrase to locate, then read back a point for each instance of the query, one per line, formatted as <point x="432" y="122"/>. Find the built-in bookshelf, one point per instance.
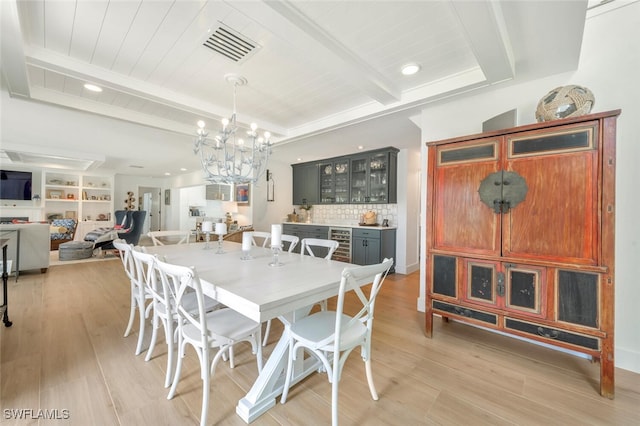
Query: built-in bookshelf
<point x="87" y="198"/>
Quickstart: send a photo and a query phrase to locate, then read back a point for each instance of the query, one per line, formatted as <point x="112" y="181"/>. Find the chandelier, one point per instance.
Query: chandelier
<point x="227" y="157"/>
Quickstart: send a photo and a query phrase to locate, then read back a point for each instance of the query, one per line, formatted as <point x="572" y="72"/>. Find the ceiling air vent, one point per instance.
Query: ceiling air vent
<point x="231" y="44"/>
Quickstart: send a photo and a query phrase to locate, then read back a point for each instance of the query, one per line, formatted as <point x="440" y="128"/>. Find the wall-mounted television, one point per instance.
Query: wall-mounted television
<point x="15" y="185"/>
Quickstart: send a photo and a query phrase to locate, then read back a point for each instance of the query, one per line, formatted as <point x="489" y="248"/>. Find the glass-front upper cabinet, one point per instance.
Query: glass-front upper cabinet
<point x="334" y="182"/>
<point x="371" y="177"/>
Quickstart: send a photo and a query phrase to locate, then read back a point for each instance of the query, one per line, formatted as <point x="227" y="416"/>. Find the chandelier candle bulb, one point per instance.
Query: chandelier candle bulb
<point x="276" y="235"/>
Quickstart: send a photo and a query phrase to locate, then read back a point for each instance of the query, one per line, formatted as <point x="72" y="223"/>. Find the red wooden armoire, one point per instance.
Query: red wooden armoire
<point x="520" y="233"/>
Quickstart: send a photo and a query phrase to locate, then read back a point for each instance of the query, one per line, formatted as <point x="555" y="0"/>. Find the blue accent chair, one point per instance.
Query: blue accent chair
<point x="131" y="223"/>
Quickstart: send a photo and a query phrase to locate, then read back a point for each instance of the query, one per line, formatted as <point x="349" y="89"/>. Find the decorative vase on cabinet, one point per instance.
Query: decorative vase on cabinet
<point x="532" y="251"/>
<point x="307" y="217"/>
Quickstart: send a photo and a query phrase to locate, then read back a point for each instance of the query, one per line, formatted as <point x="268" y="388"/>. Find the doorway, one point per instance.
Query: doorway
<point x="151" y="197"/>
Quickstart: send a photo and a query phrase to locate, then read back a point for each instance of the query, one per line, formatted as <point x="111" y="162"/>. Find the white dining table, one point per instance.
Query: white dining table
<point x="261" y="292"/>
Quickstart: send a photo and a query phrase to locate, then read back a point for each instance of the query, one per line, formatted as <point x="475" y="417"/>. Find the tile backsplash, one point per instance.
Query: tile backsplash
<point x="349" y="214"/>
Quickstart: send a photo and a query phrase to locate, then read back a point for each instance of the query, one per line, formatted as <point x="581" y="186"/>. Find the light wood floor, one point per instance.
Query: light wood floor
<point x="65" y="351"/>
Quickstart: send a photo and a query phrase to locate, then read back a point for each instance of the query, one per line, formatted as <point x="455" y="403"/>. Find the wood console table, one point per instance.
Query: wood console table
<point x="233" y="236"/>
<point x="236" y="236"/>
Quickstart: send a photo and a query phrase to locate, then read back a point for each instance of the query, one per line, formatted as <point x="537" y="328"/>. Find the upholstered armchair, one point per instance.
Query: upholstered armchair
<point x="131" y="232"/>
<point x="128" y="227"/>
<point x="62" y="231"/>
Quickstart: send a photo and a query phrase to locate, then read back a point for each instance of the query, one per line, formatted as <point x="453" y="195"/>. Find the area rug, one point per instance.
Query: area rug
<point x="98" y="256"/>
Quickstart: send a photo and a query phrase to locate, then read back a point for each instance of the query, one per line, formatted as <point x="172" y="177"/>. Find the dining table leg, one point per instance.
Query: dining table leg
<point x="270" y="382"/>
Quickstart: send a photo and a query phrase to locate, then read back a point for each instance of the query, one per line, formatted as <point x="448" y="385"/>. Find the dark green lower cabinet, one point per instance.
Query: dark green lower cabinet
<point x="371" y="246"/>
<point x="368" y="246"/>
<point x="307" y="231"/>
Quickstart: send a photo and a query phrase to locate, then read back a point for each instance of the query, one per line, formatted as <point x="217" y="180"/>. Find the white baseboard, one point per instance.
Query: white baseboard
<point x="627" y="359"/>
<point x="407" y="269"/>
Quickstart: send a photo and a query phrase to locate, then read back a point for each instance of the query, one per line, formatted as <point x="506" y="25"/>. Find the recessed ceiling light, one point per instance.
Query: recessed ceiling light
<point x="182" y="169"/>
<point x="299" y="159"/>
<point x="167" y="174"/>
<point x="360" y="147"/>
<point x="410" y="69"/>
<point x="93" y="87"/>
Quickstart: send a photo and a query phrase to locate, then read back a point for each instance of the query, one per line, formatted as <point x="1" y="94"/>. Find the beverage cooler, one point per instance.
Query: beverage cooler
<point x="342" y="236"/>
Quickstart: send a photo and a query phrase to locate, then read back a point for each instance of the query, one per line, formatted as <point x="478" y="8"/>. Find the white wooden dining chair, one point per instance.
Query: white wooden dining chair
<point x="292" y="240"/>
<point x="265" y="237"/>
<point x="161" y="307"/>
<point x="220" y="329"/>
<point x="307" y="244"/>
<point x="140" y="298"/>
<point x="331" y="335"/>
<point x="174" y="236"/>
<point x="164" y="312"/>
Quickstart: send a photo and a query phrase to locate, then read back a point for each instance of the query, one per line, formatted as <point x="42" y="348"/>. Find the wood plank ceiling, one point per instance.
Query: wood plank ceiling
<point x="318" y="65"/>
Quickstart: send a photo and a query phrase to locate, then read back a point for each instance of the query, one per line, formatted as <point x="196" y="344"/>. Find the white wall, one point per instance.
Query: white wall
<point x="177" y="212"/>
<point x="409" y="211"/>
<point x="125" y="183"/>
<point x="609" y="64"/>
<point x="266" y="212"/>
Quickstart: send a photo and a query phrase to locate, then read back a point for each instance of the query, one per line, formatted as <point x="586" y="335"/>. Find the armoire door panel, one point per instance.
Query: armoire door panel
<point x="558" y="219"/>
<point x="575" y="138"/>
<point x="444" y="276"/>
<point x="525" y="289"/>
<point x="461" y="220"/>
<point x="481" y="282"/>
<point x="578" y="298"/>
